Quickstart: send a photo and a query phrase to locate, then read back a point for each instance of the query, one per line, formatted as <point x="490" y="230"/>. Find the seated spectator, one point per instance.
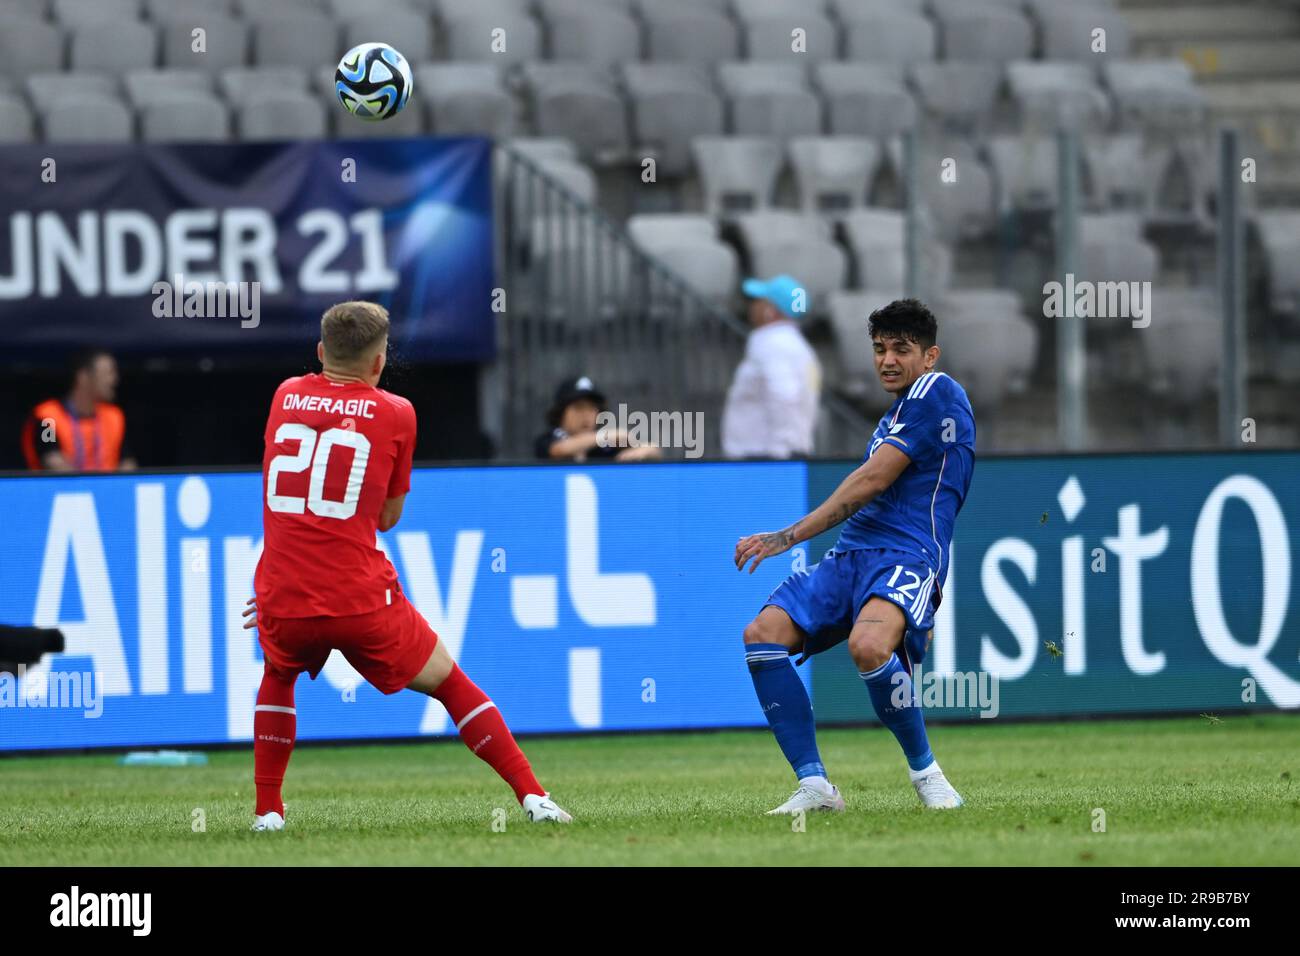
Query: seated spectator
<point x="82" y="431"/>
<point x="574" y="435"/>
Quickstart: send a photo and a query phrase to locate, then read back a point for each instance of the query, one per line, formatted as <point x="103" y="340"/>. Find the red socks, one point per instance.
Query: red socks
<point x="484" y="731"/>
<point x="275" y="723"/>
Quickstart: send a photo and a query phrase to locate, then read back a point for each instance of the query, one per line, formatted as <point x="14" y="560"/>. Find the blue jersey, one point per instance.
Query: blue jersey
<point x="932" y="423"/>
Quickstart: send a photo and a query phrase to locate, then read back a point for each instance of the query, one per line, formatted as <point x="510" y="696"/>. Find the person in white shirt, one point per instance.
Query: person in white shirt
<point x="771" y="408"/>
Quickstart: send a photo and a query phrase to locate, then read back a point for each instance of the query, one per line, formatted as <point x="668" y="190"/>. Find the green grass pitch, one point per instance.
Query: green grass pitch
<point x="1185" y="791"/>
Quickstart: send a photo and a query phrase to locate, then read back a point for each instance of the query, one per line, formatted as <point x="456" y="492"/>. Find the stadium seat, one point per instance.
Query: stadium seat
<point x="1100" y="226"/>
<point x="769" y="99"/>
<point x="189" y="120"/>
<point x="1182" y="344"/>
<point x="16" y="125"/>
<point x="1068" y="33"/>
<point x="687" y="244"/>
<point x="681" y="32"/>
<point x="1117" y="259"/>
<point x="240" y="85"/>
<point x="45" y="89"/>
<point x="865" y="99"/>
<point x="410" y="122"/>
<point x="580" y="103"/>
<point x="737" y="172"/>
<point x="88" y="120"/>
<point x="76" y="13"/>
<point x="1025" y="172"/>
<point x="544" y="149"/>
<point x="1156" y="95"/>
<point x="404" y="30"/>
<point x="671" y="104"/>
<point x="294" y="39"/>
<point x="963" y="207"/>
<point x="455" y="9"/>
<point x="772" y="37"/>
<point x="972" y="31"/>
<point x="784" y="241"/>
<point x="889" y="35"/>
<point x="877" y="241"/>
<point x="833" y="173"/>
<point x="146" y="86"/>
<point x="164" y="11"/>
<point x="225" y="43"/>
<point x="846" y="11"/>
<point x="283" y="115"/>
<point x="471" y="33"/>
<point x="1278" y="232"/>
<point x="28" y="46"/>
<point x="593" y="36"/>
<point x="1118" y="169"/>
<point x="1052" y="96"/>
<point x="960" y="96"/>
<point x="466" y="99"/>
<point x="29" y="9"/>
<point x="655" y="230"/>
<point x="114" y="47"/>
<point x="988" y="344"/>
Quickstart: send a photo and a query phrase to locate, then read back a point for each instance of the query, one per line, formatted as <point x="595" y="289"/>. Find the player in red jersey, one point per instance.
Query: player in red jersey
<point x="337" y="469"/>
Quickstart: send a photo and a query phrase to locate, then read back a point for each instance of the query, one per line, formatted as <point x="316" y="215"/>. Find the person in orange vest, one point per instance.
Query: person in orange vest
<point x="84" y="431"/>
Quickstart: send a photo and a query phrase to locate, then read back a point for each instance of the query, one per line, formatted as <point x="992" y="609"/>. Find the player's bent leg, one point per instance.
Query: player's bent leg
<point x="485" y="733"/>
<point x="275" y="726"/>
<point x="873" y="644"/>
<point x="769" y="638"/>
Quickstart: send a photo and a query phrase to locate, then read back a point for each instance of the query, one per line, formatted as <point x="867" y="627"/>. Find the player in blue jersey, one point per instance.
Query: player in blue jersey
<point x="880" y="585"/>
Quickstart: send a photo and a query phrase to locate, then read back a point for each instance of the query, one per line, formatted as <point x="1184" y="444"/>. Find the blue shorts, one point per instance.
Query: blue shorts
<point x="825" y="600"/>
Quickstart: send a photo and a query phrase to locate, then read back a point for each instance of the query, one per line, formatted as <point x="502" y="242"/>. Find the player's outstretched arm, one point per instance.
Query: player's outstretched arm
<point x="862" y="485"/>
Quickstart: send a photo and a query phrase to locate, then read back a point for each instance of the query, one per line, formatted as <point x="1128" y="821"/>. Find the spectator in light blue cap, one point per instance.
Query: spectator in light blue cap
<point x="771" y="409"/>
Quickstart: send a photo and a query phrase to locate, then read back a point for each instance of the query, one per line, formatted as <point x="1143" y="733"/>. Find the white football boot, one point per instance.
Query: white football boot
<point x="541" y="808"/>
<point x="268" y="821"/>
<point x="811" y="796"/>
<point x="936" y="792"/>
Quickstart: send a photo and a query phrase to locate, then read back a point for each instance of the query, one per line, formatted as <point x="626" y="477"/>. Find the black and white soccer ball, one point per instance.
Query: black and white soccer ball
<point x="373" y="81"/>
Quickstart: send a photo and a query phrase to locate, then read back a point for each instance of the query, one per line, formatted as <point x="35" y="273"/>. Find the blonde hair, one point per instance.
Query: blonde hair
<point x="350" y="329"/>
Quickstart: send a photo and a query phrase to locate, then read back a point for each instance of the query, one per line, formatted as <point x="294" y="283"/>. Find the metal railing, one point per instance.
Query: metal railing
<point x="581" y="298"/>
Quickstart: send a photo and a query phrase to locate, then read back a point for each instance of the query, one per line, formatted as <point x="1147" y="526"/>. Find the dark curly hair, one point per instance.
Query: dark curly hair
<point x="905" y="319"/>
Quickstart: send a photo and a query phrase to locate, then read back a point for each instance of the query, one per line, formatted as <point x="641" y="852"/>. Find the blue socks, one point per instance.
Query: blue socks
<point x="786" y="705"/>
<point x="889" y="684"/>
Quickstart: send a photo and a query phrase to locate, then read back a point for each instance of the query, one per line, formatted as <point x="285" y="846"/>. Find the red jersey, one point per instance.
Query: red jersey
<point x="335" y="452"/>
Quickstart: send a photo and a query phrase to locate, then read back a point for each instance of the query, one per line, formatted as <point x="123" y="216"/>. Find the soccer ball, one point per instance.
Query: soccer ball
<point x="373" y="81"/>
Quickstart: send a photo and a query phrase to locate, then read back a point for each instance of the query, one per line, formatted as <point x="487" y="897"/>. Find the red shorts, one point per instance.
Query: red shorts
<point x="388" y="646"/>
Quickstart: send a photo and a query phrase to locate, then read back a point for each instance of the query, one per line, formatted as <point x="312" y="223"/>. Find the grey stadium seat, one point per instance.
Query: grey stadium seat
<point x="655" y="230"/>
<point x="163" y="11"/>
<point x="972" y="31"/>
<point x="242" y="86"/>
<point x="191" y="120"/>
<point x="404" y="30"/>
<point x="114" y="47"/>
<point x="295" y="39"/>
<point x="865" y="99"/>
<point x="846" y="11"/>
<point x="1116" y="259"/>
<point x="671" y="104"/>
<point x="29" y="9"/>
<point x="145" y="86"/>
<point x="225" y="43"/>
<point x="88" y="121"/>
<point x="596" y="36"/>
<point x="73" y="13"/>
<point x="581" y="105"/>
<point x="688" y="245"/>
<point x="773" y="37"/>
<point x="470" y="36"/>
<point x="283" y="115"/>
<point x="780" y="241"/>
<point x="962" y="208"/>
<point x="1154" y="94"/>
<point x="877" y="240"/>
<point x="1057" y="96"/>
<point x="1100" y="226"/>
<point x="1182" y="344"/>
<point x="464" y="99"/>
<point x="676" y="32"/>
<point x="1067" y="32"/>
<point x="988" y="344"/>
<point x="28" y="46"/>
<point x="1279" y="238"/>
<point x="959" y="95"/>
<point x="45" y="89"/>
<point x="737" y="171"/>
<point x="890" y="35"/>
<point x="769" y="99"/>
<point x="1025" y="171"/>
<point x="833" y="173"/>
<point x="16" y="125"/>
<point x="1118" y="169"/>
